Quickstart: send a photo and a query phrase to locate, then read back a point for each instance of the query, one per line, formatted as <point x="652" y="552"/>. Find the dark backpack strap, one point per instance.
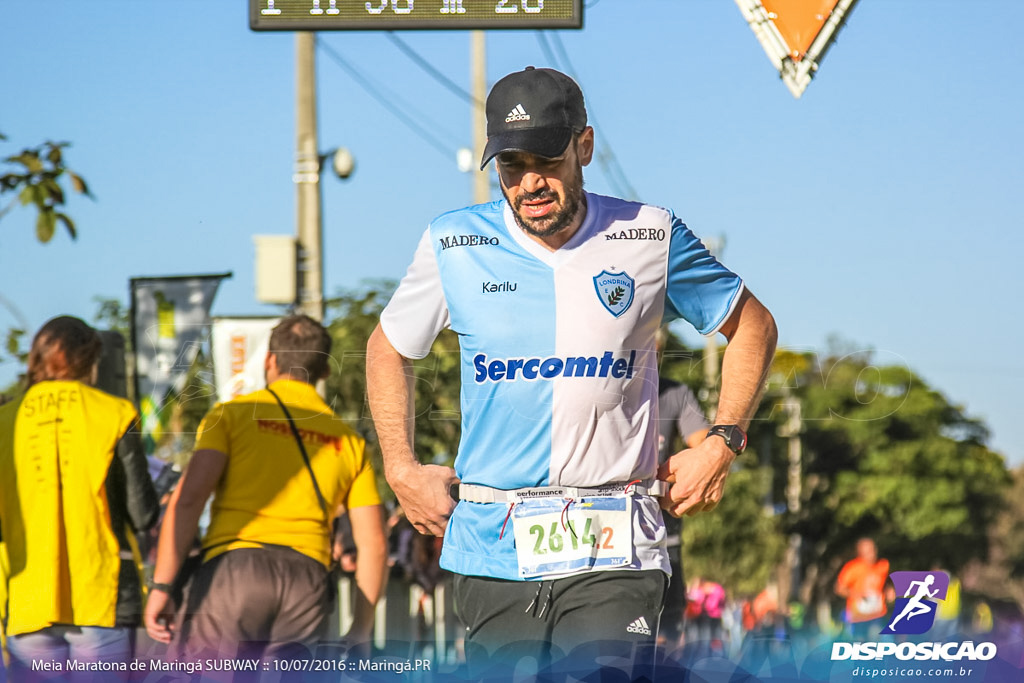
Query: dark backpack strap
<point x="302" y="450"/>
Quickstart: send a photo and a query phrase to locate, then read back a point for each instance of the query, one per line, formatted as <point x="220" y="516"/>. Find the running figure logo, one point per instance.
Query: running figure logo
<point x="914" y="613"/>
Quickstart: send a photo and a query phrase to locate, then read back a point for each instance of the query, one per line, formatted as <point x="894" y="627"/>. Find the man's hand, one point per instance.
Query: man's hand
<point x="423" y="492"/>
<point x="697" y="476"/>
<point x="159" y="616"/>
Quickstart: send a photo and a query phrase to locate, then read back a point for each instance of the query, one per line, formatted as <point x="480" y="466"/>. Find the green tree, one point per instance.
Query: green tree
<point x="884" y="455"/>
<point x="112" y="314"/>
<point x="740" y="543"/>
<point x="351" y="318"/>
<point x="1001" y="574"/>
<point x="36" y="179"/>
<point x="13" y="346"/>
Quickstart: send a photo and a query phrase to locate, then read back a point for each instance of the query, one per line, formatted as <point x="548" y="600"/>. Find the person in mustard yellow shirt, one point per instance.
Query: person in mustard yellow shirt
<point x="74" y="490"/>
<point x="263" y="584"/>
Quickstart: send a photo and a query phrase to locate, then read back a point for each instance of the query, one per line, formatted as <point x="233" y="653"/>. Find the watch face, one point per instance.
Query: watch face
<point x="735" y="438"/>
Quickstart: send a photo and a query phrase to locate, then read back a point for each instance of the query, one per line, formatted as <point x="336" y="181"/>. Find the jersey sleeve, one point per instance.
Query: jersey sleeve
<point x="213" y="431"/>
<point x="418" y="310"/>
<point x="698" y="288"/>
<point x="363" y="491"/>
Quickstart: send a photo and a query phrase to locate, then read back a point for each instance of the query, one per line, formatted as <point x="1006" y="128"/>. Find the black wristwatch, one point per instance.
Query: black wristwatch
<point x="735" y="438"/>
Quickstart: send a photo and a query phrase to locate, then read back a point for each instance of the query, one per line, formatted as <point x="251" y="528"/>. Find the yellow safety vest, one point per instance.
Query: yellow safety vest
<point x="63" y="562"/>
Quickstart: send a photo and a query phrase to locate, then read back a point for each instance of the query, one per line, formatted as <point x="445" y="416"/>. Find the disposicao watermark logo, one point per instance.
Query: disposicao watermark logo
<point x="914" y="614"/>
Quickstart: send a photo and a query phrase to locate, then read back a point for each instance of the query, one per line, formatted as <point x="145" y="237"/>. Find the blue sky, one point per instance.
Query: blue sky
<point x="880" y="208"/>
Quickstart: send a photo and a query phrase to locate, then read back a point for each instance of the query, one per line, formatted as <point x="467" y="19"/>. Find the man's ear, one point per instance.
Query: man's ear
<point x="585" y="146"/>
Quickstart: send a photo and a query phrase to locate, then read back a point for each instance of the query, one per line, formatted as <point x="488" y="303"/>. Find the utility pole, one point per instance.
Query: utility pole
<point x="715" y="246"/>
<point x="478" y="76"/>
<point x="309" y="297"/>
<point x="790" y="430"/>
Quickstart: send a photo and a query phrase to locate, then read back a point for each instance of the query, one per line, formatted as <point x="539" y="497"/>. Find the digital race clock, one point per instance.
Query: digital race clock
<point x="394" y="15"/>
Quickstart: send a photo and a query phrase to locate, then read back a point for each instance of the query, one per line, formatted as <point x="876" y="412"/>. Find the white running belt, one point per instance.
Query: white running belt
<point x="475" y="493"/>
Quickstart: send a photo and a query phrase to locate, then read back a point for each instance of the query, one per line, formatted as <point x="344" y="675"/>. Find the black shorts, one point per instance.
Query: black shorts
<point x="572" y="624"/>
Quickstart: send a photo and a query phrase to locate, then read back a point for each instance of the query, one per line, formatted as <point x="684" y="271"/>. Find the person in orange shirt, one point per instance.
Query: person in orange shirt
<point x="862" y="582"/>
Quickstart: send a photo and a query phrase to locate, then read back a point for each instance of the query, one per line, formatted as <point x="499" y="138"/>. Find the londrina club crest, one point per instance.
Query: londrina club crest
<point x="914" y="612"/>
<point x="615" y="290"/>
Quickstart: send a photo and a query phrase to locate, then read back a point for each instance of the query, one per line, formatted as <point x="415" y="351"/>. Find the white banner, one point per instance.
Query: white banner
<point x="170" y="320"/>
<point x="239" y="349"/>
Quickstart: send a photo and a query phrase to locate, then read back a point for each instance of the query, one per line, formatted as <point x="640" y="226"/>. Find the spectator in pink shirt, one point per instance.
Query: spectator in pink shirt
<point x="707" y="600"/>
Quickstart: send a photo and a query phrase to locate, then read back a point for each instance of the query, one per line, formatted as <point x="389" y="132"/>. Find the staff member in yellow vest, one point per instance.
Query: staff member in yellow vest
<point x="74" y="489"/>
<point x="278" y="462"/>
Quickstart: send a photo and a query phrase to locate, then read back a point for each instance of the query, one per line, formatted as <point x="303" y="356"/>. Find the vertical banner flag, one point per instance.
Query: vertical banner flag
<point x="239" y="348"/>
<point x="796" y="34"/>
<point x="170" y="320"/>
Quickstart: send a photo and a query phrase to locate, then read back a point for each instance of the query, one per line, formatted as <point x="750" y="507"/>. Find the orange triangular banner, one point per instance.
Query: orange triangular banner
<point x="795" y="34"/>
<point x="799" y="21"/>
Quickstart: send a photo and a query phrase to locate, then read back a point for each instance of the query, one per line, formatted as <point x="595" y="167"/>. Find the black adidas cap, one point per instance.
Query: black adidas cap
<point x="535" y="111"/>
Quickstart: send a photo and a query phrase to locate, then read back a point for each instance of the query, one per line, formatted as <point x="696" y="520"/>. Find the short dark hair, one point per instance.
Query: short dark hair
<point x="302" y="347"/>
<point x="64" y="348"/>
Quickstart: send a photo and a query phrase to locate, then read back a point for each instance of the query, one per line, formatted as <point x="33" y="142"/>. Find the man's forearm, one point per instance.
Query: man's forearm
<point x="371" y="566"/>
<point x="177" y="533"/>
<point x="184" y="509"/>
<point x="422" y="490"/>
<point x="745" y="364"/>
<point x="389" y="387"/>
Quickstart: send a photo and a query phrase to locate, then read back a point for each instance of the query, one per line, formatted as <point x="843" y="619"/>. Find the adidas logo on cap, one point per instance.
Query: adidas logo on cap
<point x="517" y="114"/>
<point x="639" y="626"/>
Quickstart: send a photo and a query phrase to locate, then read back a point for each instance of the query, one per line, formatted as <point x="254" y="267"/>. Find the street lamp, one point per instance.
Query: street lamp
<point x="283" y="265"/>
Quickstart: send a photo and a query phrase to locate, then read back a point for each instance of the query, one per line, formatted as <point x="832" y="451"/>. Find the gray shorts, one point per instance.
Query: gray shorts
<point x="257" y="602"/>
<point x="575" y="624"/>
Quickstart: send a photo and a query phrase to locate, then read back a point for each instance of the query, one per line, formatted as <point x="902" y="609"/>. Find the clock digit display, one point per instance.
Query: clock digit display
<point x="392" y="15"/>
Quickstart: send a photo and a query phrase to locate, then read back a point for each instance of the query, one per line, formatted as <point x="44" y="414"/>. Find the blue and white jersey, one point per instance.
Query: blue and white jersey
<point x="559" y="369"/>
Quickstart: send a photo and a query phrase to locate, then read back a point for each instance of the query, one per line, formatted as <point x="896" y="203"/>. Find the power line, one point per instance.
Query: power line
<point x="432" y="70"/>
<point x="606" y="157"/>
<point x="545" y="47"/>
<point x="387" y="101"/>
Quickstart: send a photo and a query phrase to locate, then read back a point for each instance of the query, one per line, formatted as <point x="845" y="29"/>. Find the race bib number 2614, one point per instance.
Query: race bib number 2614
<point x="552" y="539"/>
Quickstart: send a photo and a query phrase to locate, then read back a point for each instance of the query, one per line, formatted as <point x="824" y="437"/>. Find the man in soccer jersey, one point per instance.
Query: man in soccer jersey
<point x="556" y="295"/>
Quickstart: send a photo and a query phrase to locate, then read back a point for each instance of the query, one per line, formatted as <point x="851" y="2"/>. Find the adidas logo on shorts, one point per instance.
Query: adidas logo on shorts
<point x="517" y="114"/>
<point x="639" y="626"/>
